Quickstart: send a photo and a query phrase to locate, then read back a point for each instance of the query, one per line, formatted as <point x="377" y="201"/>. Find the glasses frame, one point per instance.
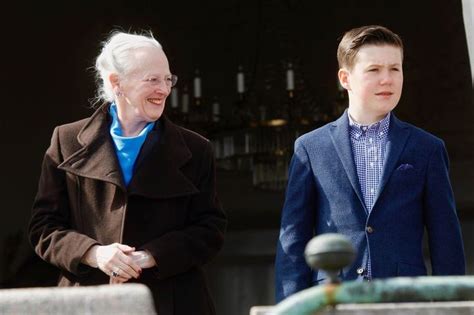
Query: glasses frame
<point x="170" y="81"/>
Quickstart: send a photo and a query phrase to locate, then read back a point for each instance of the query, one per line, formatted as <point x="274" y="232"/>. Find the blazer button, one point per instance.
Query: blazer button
<point x="369" y="229"/>
<point x="360" y="271"/>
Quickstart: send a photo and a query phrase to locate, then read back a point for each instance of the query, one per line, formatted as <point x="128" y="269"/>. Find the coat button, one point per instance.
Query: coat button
<point x="369" y="229"/>
<point x="360" y="271"/>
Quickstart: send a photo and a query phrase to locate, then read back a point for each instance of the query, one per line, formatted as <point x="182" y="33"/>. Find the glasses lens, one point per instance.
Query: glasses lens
<point x="174" y="80"/>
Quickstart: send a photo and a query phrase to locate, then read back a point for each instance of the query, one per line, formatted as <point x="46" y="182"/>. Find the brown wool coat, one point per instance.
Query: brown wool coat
<point x="170" y="208"/>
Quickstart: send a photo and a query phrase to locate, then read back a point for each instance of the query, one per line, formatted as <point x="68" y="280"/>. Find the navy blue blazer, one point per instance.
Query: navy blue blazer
<point x="324" y="196"/>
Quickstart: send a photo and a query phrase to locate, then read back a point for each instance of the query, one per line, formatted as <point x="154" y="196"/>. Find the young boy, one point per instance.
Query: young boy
<point x="368" y="175"/>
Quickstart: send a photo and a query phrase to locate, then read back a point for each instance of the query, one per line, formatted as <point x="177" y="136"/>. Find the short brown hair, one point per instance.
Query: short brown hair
<point x="356" y="38"/>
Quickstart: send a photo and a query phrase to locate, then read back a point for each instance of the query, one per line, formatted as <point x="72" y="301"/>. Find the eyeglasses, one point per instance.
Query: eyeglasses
<point x="169" y="80"/>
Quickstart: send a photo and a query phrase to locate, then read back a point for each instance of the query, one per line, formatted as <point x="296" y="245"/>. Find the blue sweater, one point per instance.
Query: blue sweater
<point x="126" y="148"/>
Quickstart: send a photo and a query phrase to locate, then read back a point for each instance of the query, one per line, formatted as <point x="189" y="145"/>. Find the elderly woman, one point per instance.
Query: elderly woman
<point x="127" y="196"/>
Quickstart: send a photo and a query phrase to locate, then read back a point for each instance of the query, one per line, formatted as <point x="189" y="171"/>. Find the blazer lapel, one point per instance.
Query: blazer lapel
<point x="158" y="172"/>
<point x="97" y="158"/>
<point x="341" y="140"/>
<point x="396" y="139"/>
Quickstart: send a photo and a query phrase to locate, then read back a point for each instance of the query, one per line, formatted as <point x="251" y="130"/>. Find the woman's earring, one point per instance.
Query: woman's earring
<point x="118" y="93"/>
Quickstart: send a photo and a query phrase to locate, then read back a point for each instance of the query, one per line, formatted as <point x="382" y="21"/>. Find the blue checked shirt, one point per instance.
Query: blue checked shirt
<point x="368" y="148"/>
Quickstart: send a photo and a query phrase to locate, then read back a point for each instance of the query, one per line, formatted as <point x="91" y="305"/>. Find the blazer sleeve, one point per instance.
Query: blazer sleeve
<point x="49" y="230"/>
<point x="297" y="227"/>
<point x="444" y="232"/>
<point x="180" y="250"/>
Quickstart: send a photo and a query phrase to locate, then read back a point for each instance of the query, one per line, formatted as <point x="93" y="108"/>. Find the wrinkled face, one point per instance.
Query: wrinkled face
<point x="145" y="87"/>
<point x="375" y="81"/>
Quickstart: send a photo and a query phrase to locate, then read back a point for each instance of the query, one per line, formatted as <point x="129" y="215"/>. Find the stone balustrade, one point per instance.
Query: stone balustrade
<point x="91" y="300"/>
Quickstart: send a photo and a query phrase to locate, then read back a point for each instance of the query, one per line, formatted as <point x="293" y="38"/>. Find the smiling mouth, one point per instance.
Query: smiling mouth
<point x="156" y="101"/>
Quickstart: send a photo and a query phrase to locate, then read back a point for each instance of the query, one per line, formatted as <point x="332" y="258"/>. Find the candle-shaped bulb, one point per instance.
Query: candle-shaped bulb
<point x="185" y="101"/>
<point x="197" y="85"/>
<point x="174" y="98"/>
<point x="215" y="111"/>
<point x="240" y="81"/>
<point x="290" y="78"/>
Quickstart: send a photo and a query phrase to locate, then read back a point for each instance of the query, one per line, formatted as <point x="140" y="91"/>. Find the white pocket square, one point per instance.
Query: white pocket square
<point x="404" y="167"/>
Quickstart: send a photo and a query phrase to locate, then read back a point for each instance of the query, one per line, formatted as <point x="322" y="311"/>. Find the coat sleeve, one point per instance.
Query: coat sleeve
<point x="178" y="251"/>
<point x="297" y="227"/>
<point x="444" y="232"/>
<point x="49" y="229"/>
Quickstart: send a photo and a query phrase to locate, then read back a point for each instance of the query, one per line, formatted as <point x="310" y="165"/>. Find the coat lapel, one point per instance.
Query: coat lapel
<point x="158" y="171"/>
<point x="342" y="143"/>
<point x="96" y="159"/>
<point x="157" y="174"/>
<point x="396" y="139"/>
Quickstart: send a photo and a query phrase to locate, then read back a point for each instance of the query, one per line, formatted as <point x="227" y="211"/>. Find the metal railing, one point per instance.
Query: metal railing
<point x="332" y="252"/>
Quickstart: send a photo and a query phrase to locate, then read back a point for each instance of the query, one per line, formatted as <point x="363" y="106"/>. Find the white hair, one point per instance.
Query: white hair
<point x="116" y="57"/>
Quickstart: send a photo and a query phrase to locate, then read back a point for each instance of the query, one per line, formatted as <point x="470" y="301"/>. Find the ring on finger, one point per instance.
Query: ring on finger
<point x="115" y="272"/>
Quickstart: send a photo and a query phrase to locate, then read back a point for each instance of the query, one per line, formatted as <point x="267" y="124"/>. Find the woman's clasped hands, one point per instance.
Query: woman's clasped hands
<point x="121" y="262"/>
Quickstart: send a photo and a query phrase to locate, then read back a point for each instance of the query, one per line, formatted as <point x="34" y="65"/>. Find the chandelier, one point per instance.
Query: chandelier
<point x="255" y="134"/>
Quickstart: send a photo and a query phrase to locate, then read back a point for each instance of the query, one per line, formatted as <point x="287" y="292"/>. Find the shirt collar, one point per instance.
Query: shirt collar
<point x="116" y="128"/>
<point x="357" y="130"/>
